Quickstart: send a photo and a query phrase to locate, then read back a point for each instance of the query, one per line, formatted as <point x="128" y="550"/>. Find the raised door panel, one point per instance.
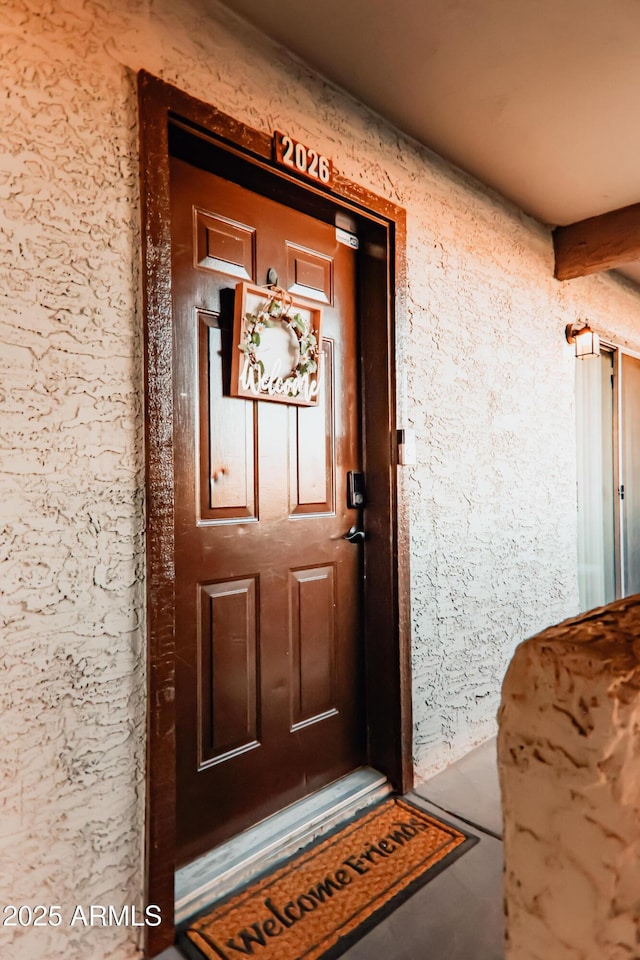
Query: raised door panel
<point x="227" y="449"/>
<point x="313" y="645"/>
<point x="224" y="245"/>
<point x="310" y="274"/>
<point x="312" y="466"/>
<point x="228" y="686"/>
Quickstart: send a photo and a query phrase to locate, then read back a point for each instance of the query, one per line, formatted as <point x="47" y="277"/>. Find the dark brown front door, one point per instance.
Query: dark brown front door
<point x="268" y="647"/>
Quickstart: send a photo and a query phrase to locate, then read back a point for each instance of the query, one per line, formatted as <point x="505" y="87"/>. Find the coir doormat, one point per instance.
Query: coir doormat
<point x="326" y="897"/>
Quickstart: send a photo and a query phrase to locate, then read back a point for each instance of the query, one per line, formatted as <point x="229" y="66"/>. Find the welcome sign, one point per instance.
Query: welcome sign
<point x="277" y="342"/>
<point x="320" y="900"/>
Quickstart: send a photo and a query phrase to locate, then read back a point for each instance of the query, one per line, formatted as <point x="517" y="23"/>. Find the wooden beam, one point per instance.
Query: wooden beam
<point x="598" y="243"/>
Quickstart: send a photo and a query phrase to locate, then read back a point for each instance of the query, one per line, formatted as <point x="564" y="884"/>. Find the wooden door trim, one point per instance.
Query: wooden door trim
<point x="390" y="726"/>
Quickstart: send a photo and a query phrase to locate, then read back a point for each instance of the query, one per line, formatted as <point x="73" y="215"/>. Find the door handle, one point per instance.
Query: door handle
<point x="354" y="535"/>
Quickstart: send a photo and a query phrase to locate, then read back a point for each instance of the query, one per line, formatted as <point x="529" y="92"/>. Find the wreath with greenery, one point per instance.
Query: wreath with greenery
<point x="277" y="309"/>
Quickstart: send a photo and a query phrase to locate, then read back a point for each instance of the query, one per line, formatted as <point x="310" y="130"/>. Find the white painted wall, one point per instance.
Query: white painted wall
<point x="485" y="378"/>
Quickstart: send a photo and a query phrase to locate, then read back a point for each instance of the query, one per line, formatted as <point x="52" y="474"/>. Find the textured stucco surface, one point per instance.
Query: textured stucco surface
<point x="484" y="375"/>
<point x="568" y="757"/>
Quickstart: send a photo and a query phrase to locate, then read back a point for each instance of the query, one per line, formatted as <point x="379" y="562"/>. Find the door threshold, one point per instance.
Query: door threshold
<point x="234" y="863"/>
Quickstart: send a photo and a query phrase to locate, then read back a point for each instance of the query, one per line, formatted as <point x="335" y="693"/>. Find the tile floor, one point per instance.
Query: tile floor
<point x="458" y="914"/>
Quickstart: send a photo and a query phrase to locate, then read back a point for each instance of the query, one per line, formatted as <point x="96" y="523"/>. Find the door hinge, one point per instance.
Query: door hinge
<point x="621" y="491"/>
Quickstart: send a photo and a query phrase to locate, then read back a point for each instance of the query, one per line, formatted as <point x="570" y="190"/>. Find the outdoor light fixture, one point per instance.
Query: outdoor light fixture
<point x="587" y="342"/>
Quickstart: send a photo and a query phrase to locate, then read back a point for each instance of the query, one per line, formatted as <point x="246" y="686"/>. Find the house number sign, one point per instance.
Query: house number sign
<point x="296" y="156"/>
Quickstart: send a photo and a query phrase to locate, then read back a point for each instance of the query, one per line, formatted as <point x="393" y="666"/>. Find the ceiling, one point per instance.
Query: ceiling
<point x="537" y="98"/>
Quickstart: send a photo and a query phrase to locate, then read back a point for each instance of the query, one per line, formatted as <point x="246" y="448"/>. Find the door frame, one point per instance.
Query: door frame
<point x="387" y="625"/>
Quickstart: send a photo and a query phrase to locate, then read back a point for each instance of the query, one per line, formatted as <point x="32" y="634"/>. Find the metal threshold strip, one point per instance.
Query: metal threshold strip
<point x="234" y="863"/>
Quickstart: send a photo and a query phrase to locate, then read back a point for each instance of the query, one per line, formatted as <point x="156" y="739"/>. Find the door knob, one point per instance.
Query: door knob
<point x="354" y="535"/>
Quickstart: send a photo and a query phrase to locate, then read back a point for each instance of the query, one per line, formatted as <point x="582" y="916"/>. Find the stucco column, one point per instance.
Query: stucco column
<point x="569" y="758"/>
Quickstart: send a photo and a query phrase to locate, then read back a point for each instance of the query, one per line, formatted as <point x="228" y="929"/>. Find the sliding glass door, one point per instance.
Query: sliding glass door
<point x="595" y="414"/>
<point x="608" y="449"/>
<point x="630" y="472"/>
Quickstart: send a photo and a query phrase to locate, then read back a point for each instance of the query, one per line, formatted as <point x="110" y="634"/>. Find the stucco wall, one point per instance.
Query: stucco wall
<point x="485" y="378"/>
<point x="568" y="755"/>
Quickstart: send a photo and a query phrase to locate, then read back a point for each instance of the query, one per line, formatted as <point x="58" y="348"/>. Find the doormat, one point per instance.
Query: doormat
<point x="332" y="893"/>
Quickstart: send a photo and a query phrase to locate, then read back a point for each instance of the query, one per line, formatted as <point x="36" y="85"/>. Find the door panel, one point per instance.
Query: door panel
<point x="595" y="476"/>
<point x="312" y="449"/>
<point x="228" y="482"/>
<point x="227" y="693"/>
<point x="269" y="660"/>
<point x="630" y="416"/>
<point x="313" y="636"/>
<point x="309" y="274"/>
<point x="225" y="245"/>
